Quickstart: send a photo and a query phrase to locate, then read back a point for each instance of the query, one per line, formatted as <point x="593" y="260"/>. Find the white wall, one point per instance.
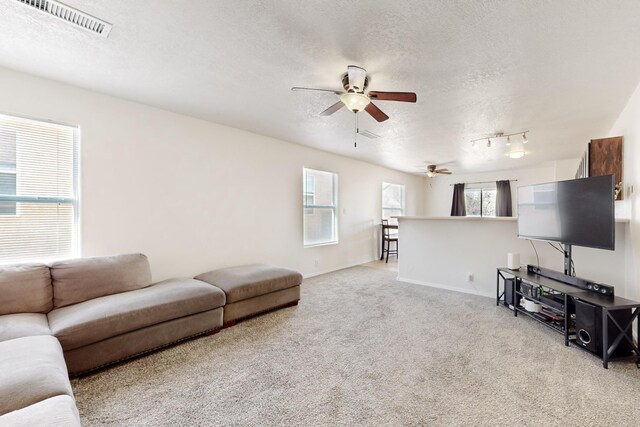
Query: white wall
<point x="194" y="195"/>
<point x="440" y="191"/>
<point x="628" y="125"/>
<point x="441" y="252"/>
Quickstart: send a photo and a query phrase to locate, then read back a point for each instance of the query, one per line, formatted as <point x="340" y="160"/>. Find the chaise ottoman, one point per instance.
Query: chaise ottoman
<point x="254" y="289"/>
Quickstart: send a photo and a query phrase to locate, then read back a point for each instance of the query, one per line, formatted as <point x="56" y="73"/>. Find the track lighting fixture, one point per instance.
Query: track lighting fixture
<point x="516" y="147"/>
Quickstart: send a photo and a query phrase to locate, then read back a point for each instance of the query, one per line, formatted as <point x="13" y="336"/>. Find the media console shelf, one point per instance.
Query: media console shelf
<point x="566" y="308"/>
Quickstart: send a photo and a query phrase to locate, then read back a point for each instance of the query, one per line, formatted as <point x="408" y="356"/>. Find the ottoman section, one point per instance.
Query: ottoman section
<point x="32" y="369"/>
<point x="254" y="289"/>
<point x="59" y="411"/>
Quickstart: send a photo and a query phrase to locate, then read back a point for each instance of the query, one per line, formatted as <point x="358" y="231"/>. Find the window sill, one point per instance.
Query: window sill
<point x="315" y="245"/>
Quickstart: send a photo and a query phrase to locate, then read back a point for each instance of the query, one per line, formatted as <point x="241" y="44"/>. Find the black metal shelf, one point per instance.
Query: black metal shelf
<point x="564" y="295"/>
<point x="557" y="328"/>
<point x="543" y="303"/>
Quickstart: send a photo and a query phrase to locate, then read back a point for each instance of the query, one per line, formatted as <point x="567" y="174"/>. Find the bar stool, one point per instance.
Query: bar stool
<point x="388" y="238"/>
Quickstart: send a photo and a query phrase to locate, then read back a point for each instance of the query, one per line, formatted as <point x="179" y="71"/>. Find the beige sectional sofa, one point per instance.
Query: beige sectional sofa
<point x="34" y="383"/>
<point x="78" y="315"/>
<point x="106" y="309"/>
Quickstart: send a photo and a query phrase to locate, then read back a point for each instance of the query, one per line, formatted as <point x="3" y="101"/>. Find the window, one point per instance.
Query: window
<point x="392" y="200"/>
<point x="320" y="202"/>
<point x="480" y="201"/>
<point x="38" y="190"/>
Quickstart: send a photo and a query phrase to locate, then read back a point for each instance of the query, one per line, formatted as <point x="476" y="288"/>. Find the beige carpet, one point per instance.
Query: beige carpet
<point x="364" y="349"/>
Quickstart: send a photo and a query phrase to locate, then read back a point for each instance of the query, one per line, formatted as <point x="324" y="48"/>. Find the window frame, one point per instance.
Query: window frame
<point x="403" y="202"/>
<point x="309" y="209"/>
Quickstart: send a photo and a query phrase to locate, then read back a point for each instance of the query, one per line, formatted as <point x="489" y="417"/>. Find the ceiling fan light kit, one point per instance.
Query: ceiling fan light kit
<point x="355" y="102"/>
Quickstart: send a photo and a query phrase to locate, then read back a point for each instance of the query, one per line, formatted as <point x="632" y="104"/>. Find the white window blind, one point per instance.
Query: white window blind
<point x="38" y="190"/>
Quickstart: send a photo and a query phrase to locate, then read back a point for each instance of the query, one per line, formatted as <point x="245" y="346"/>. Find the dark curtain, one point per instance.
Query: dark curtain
<point x="503" y="198"/>
<point x="457" y="205"/>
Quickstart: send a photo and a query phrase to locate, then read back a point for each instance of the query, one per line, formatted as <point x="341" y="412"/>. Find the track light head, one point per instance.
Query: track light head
<point x="488" y="142"/>
<point x="508" y="140"/>
<point x="524" y="138"/>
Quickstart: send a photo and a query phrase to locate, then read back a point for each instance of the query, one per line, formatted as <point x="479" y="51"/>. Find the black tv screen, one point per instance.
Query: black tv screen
<point x="576" y="212"/>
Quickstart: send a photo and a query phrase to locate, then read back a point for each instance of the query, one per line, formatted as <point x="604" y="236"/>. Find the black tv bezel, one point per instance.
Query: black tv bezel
<point x="613" y="216"/>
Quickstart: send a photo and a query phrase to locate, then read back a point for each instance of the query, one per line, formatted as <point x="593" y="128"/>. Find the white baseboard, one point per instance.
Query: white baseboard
<point x="331" y="270"/>
<point x="448" y="288"/>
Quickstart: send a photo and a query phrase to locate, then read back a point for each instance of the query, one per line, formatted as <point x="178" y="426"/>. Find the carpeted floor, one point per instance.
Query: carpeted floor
<point x="364" y="349"/>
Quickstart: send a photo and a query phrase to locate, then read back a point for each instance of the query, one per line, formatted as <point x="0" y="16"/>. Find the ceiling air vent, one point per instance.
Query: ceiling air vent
<point x="71" y="15"/>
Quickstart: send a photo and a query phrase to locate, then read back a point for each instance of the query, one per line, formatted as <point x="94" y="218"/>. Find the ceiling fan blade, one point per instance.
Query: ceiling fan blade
<point x="443" y="170"/>
<point x="394" y="96"/>
<point x="335" y="107"/>
<point x="337" y="92"/>
<point x="357" y="76"/>
<point x="368" y="134"/>
<point x="376" y="113"/>
<point x="445" y="173"/>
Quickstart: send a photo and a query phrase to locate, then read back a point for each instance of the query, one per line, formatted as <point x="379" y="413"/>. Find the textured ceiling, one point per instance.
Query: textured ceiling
<point x="561" y="69"/>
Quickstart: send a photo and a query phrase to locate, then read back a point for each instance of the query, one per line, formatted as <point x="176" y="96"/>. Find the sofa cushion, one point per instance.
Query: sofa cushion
<point x="105" y="317"/>
<point x="58" y="411"/>
<point x="31" y="369"/>
<point x="248" y="281"/>
<point x="82" y="279"/>
<point x="23" y="325"/>
<point x="25" y="288"/>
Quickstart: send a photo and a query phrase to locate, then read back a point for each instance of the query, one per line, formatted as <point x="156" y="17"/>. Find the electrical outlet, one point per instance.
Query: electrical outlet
<point x="316" y="262"/>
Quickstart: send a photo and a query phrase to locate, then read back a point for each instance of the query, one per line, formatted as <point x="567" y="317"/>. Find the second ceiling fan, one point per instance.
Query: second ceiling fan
<point x="355" y="82"/>
<point x="432" y="171"/>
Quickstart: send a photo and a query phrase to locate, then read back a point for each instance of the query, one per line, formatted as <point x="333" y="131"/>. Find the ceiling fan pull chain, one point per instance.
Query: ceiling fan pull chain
<point x="355" y="134"/>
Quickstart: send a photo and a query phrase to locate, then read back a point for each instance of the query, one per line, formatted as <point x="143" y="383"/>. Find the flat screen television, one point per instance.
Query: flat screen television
<point x="577" y="212"/>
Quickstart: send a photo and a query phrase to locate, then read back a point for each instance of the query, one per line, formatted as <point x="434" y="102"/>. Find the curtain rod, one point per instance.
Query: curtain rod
<point x="484" y="182"/>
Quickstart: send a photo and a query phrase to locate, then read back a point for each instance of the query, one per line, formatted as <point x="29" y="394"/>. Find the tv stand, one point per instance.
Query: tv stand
<point x="556" y="296"/>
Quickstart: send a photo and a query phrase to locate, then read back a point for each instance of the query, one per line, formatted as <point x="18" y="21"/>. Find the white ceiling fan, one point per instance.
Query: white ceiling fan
<point x="355" y="82"/>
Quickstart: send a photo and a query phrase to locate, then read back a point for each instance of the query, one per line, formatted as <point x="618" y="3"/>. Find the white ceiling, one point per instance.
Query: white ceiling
<point x="561" y="69"/>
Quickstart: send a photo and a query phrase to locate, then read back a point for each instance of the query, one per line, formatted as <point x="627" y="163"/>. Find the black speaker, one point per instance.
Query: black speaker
<point x="509" y="294"/>
<point x="589" y="329"/>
